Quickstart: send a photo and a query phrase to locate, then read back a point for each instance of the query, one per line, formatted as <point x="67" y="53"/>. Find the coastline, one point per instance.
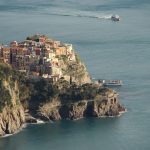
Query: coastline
<point x="19" y="130"/>
<point x="25" y="125"/>
<point x="53" y="84"/>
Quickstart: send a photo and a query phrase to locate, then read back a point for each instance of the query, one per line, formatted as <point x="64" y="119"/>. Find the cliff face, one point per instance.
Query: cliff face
<point x="75" y="71"/>
<point x="73" y="96"/>
<point x="50" y="111"/>
<point x="11" y="111"/>
<point x="103" y="105"/>
<point x="11" y="119"/>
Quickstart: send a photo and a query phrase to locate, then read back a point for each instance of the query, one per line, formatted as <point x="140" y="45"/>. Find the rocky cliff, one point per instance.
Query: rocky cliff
<point x="48" y="100"/>
<point x="105" y="103"/>
<point x="11" y="111"/>
<point x="72" y="96"/>
<point x="11" y="119"/>
<point x="75" y="71"/>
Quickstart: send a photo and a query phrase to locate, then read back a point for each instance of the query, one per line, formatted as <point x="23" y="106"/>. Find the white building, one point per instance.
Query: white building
<point x="69" y="47"/>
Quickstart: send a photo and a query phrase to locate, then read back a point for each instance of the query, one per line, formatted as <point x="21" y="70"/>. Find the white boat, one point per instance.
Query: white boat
<point x="113" y="83"/>
<point x="109" y="82"/>
<point x="115" y="18"/>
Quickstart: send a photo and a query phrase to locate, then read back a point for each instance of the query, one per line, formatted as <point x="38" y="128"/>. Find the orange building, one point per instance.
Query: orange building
<point x="61" y="51"/>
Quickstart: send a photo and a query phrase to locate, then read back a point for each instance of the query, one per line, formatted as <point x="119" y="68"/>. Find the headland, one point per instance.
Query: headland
<point x="41" y="78"/>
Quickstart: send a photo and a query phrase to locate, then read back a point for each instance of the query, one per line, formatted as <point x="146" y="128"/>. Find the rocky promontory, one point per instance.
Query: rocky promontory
<point x="46" y="80"/>
<point x="101" y="102"/>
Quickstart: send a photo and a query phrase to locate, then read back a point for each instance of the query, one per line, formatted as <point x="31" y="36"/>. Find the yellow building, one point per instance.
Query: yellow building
<point x="5" y="52"/>
<point x="51" y="55"/>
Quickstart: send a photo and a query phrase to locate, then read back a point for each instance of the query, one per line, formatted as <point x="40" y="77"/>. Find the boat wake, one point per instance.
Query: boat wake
<point x="84" y="16"/>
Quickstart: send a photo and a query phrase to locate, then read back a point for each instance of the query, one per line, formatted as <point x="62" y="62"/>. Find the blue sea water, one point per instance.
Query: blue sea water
<point x="110" y="50"/>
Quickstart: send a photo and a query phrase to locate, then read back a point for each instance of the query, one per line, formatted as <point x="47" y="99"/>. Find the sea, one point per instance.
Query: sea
<point x="110" y="50"/>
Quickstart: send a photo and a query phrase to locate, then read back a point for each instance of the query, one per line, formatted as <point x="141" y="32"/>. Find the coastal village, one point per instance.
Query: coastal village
<point x="38" y="56"/>
<point x="28" y="98"/>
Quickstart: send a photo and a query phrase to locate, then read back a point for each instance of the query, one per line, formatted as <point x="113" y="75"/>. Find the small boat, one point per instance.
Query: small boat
<point x="115" y="18"/>
<point x="112" y="83"/>
<point x="109" y="82"/>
